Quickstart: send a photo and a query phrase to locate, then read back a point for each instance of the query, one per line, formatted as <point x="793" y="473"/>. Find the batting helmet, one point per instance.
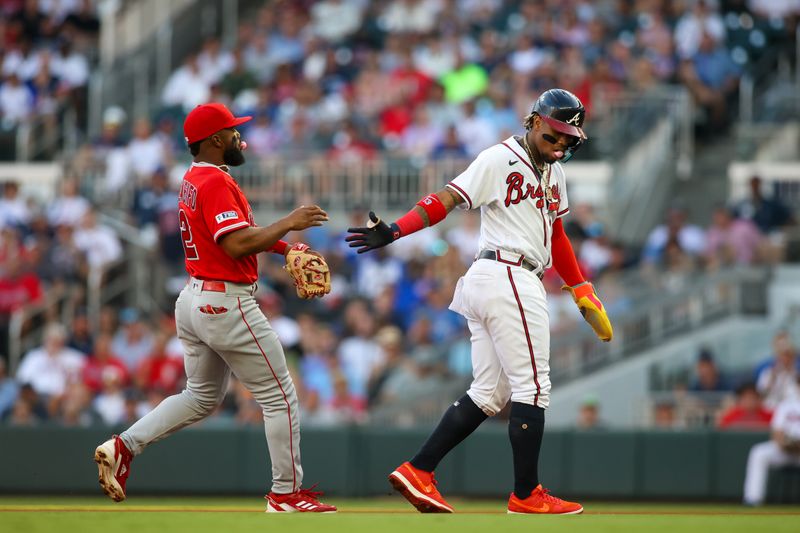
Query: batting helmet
<point x="564" y="112"/>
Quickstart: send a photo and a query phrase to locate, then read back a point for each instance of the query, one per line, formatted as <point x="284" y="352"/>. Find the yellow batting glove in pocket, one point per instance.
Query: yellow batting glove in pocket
<point x="592" y="309"/>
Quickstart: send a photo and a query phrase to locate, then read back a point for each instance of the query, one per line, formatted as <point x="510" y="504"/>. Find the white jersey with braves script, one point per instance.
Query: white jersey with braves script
<point x="516" y="215"/>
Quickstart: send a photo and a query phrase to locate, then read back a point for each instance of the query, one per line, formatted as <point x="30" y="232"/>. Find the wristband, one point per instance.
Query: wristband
<point x="409" y="223"/>
<point x="279" y="247"/>
<point x="413" y="221"/>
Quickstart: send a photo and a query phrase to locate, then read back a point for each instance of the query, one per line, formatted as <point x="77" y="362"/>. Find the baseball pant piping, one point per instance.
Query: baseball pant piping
<point x="240" y="341"/>
<point x="527" y="337"/>
<point x="273" y="434"/>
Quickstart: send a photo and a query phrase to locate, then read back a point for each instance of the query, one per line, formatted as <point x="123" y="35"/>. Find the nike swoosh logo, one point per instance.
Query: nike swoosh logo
<point x="427" y="487"/>
<point x="541" y="509"/>
<point x="512" y="163"/>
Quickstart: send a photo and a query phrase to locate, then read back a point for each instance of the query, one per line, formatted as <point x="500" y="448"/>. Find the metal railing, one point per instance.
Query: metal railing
<point x="664" y="307"/>
<point x="419" y="410"/>
<point x="133" y="280"/>
<point x="682" y="409"/>
<point x="781" y="179"/>
<point x="45" y="136"/>
<point x="157" y="36"/>
<point x="393" y="182"/>
<point x="278" y="184"/>
<point x="654" y="139"/>
<point x="769" y="90"/>
<point x="26" y="324"/>
<point x="126" y="26"/>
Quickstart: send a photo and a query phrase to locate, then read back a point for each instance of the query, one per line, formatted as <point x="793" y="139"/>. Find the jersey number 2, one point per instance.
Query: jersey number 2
<point x="189" y="248"/>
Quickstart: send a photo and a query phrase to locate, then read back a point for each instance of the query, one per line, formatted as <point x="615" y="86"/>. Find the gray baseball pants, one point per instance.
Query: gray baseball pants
<point x="236" y="338"/>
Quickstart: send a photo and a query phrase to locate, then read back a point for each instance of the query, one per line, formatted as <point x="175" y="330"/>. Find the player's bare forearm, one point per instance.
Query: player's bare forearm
<point x="252" y="240"/>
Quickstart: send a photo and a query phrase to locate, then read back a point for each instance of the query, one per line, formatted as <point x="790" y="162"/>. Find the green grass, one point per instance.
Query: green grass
<point x="218" y="515"/>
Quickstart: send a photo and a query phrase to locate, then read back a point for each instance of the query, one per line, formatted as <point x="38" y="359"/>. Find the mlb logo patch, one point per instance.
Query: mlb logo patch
<point x="227" y="215"/>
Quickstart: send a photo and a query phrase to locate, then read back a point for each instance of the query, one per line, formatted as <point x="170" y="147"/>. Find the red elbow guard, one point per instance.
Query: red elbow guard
<point x="434" y="208"/>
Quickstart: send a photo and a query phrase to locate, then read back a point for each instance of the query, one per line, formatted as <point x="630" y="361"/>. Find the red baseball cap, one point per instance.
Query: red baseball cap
<point x="207" y="119"/>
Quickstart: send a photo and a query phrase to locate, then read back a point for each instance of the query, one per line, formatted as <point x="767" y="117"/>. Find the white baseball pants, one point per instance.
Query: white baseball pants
<point x="762" y="457"/>
<point x="506" y="310"/>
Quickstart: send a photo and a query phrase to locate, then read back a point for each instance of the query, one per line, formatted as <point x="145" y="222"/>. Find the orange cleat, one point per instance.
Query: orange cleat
<point x="541" y="502"/>
<point x="419" y="488"/>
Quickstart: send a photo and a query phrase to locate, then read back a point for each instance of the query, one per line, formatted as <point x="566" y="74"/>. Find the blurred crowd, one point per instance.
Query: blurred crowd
<point x="47" y="48"/>
<point x="427" y="77"/>
<point x="735" y="399"/>
<point x="351" y="80"/>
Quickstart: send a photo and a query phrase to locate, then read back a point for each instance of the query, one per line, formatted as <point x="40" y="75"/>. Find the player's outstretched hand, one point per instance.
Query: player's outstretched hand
<point x="376" y="234"/>
<point x="306" y="216"/>
<point x="592" y="309"/>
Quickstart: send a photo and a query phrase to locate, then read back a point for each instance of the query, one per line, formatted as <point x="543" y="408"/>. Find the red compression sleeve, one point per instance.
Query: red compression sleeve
<point x="279" y="247"/>
<point x="564" y="259"/>
<point x="413" y="221"/>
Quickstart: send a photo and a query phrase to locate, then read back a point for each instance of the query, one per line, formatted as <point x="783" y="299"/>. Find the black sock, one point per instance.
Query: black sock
<point x="461" y="419"/>
<point x="525" y="430"/>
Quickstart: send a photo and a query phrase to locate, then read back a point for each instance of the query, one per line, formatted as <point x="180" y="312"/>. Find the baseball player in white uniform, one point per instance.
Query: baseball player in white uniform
<point x="519" y="187"/>
<point x="783" y="449"/>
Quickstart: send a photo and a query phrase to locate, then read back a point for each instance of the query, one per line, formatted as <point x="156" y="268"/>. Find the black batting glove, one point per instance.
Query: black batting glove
<point x="376" y="234"/>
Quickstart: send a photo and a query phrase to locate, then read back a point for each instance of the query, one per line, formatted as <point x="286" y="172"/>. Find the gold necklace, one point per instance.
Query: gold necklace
<point x="544" y="171"/>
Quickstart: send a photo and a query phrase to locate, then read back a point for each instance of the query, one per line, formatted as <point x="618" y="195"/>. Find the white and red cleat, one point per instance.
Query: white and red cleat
<point x="114" y="465"/>
<point x="300" y="501"/>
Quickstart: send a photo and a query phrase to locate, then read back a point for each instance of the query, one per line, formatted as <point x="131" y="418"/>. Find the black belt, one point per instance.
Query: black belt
<point x="521" y="262"/>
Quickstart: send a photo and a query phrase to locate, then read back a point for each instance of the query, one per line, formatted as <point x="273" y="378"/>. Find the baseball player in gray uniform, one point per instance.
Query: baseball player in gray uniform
<point x="519" y="187"/>
<point x="218" y="320"/>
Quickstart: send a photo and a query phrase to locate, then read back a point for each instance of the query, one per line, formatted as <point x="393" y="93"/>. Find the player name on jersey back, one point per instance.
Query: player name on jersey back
<point x="210" y="206"/>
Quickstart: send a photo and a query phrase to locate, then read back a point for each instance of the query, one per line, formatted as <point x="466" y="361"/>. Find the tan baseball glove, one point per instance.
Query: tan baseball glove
<point x="310" y="272"/>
